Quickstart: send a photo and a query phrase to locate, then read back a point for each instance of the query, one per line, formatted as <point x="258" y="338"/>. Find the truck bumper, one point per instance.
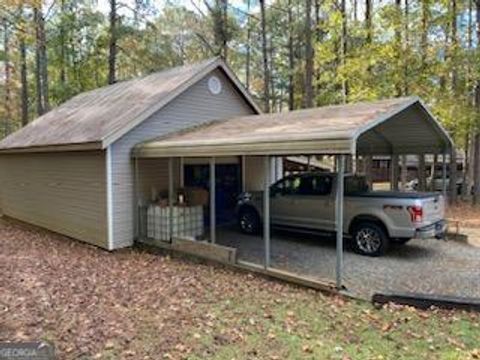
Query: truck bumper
<point x="436" y="230"/>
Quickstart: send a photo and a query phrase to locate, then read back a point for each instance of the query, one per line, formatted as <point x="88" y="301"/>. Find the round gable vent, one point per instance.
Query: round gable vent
<point x="214" y="85"/>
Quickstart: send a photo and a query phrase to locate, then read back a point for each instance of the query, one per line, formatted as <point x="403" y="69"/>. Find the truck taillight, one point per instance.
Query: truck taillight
<point x="416" y="213"/>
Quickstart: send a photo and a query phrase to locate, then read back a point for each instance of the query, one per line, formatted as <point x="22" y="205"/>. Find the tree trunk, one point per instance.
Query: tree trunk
<point x="368" y="20"/>
<point x="6" y="59"/>
<point x="406" y="49"/>
<point x="344" y="49"/>
<point x="424" y="33"/>
<point x="224" y="29"/>
<point x="291" y="59"/>
<point x="273" y="95"/>
<point x="266" y="74"/>
<point x="476" y="165"/>
<point x="398" y="45"/>
<point x="248" y="55"/>
<point x="41" y="73"/>
<point x="308" y="55"/>
<point x="62" y="46"/>
<point x="112" y="54"/>
<point x="24" y="80"/>
<point x="453" y="44"/>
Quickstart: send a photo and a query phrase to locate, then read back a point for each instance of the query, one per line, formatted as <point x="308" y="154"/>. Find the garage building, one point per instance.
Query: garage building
<point x="71" y="171"/>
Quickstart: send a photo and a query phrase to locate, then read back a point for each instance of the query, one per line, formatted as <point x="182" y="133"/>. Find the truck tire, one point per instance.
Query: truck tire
<point x="249" y="221"/>
<point x="369" y="238"/>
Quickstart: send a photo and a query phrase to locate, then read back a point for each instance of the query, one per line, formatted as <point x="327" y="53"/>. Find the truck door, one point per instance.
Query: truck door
<point x="283" y="201"/>
<point x="317" y="207"/>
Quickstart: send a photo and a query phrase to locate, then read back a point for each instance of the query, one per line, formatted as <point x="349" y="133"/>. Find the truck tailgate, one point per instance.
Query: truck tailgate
<point x="433" y="209"/>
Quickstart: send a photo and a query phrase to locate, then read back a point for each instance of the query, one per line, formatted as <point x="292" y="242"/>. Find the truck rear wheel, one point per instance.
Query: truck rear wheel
<point x="369" y="239"/>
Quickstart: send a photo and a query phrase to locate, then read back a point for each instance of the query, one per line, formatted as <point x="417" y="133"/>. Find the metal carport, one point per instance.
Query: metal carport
<point x="388" y="127"/>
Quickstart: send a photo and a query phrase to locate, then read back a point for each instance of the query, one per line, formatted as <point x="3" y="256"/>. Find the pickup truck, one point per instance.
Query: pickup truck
<point x="372" y="219"/>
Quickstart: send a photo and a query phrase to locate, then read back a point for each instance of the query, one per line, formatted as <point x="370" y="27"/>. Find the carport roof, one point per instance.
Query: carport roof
<point x="394" y="126"/>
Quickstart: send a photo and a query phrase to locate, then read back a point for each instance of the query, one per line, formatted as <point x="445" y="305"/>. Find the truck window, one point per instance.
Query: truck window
<point x="288" y="186"/>
<point x="315" y="185"/>
<point x="355" y="184"/>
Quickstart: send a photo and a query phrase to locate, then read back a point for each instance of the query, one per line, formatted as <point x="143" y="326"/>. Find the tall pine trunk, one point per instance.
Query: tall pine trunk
<point x="112" y="46"/>
<point x="7" y="84"/>
<point x="344" y="49"/>
<point x="308" y="55"/>
<point x="291" y="59"/>
<point x="41" y="70"/>
<point x="248" y="50"/>
<point x="454" y="75"/>
<point x="266" y="74"/>
<point x="476" y="165"/>
<point x="24" y="80"/>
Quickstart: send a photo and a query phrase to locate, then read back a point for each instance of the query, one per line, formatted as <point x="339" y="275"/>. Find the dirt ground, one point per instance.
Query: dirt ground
<point x="93" y="304"/>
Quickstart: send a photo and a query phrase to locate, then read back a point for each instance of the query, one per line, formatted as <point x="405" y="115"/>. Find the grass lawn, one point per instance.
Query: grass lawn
<point x="130" y="305"/>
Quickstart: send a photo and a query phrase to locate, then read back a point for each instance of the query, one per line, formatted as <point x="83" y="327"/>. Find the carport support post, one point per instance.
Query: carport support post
<point x="266" y="211"/>
<point x="170" y="197"/>
<point x="339" y="220"/>
<point x="212" y="200"/>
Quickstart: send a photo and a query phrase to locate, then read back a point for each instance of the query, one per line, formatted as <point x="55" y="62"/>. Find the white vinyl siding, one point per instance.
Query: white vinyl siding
<point x="195" y="106"/>
<point x="62" y="192"/>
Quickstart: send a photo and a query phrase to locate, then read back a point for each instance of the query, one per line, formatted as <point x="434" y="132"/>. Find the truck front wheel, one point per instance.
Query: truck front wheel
<point x="249" y="221"/>
<point x="369" y="239"/>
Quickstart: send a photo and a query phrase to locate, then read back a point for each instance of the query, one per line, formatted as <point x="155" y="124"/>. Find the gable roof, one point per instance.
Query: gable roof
<point x="97" y="118"/>
<point x="392" y="126"/>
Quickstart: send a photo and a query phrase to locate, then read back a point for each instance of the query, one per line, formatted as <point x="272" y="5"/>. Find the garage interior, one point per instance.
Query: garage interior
<point x="187" y="184"/>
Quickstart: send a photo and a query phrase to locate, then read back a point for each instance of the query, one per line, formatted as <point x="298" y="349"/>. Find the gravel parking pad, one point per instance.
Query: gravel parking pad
<point x="424" y="266"/>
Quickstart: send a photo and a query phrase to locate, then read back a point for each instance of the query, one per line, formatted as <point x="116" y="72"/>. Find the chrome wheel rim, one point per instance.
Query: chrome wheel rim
<point x="246" y="223"/>
<point x="368" y="240"/>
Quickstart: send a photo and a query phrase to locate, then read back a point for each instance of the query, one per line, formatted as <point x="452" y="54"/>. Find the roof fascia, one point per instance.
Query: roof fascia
<point x="54" y="148"/>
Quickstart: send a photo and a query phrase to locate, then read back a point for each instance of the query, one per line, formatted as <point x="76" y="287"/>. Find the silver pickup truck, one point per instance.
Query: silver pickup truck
<point x="372" y="219"/>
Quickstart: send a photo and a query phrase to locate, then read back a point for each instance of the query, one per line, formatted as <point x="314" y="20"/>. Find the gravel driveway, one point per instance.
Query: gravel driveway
<point x="424" y="266"/>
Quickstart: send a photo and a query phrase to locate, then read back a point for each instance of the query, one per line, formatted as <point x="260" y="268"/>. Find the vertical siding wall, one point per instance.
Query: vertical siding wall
<point x="255" y="172"/>
<point x="194" y="106"/>
<point x="62" y="192"/>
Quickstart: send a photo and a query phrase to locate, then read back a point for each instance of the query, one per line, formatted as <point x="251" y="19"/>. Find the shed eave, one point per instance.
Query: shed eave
<point x="88" y="146"/>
